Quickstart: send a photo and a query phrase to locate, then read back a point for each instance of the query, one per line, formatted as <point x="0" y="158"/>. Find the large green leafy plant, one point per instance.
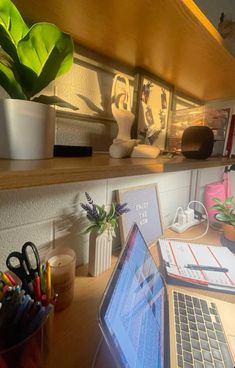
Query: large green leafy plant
<point x="225" y="210"/>
<point x="31" y="58"/>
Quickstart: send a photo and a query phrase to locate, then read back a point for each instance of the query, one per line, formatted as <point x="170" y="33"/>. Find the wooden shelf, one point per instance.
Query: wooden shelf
<point x="171" y="39"/>
<point x="21" y="174"/>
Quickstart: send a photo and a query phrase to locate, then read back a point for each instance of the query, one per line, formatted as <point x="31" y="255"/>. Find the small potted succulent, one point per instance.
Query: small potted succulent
<point x="226" y="214"/>
<point x="101" y="227"/>
<point x="30" y="58"/>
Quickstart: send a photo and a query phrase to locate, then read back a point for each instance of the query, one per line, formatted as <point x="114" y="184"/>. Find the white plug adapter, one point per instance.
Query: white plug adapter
<point x="182" y="219"/>
<point x="189" y="215"/>
<point x="185" y="220"/>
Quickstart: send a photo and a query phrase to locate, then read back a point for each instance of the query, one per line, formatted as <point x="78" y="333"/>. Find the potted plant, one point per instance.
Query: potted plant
<point x="30" y="58"/>
<point x="226" y="214"/>
<point x="101" y="228"/>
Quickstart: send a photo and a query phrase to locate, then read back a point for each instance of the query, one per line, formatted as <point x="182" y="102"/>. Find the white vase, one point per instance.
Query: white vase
<point x="100" y="252"/>
<point x="27" y="130"/>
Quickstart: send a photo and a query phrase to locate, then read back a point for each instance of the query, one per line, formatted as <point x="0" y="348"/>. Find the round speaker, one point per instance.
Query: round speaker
<point x="197" y="142"/>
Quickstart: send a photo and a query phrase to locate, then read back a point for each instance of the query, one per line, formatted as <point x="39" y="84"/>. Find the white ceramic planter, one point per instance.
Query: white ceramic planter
<point x="27" y="130"/>
<point x="100" y="252"/>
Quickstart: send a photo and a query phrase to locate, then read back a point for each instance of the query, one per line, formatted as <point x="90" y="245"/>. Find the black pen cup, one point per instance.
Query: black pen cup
<point x="33" y="351"/>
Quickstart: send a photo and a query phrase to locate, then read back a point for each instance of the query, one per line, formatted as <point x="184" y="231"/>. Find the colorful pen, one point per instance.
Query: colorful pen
<point x="5" y="279"/>
<point x="42" y="278"/>
<point x="37" y="287"/>
<point x="10" y="278"/>
<point x="48" y="281"/>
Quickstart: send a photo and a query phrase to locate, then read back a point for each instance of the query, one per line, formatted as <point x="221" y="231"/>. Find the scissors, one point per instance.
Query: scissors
<point x="27" y="265"/>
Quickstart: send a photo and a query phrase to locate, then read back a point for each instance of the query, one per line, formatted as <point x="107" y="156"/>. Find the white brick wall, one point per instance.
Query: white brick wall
<point x="52" y="214"/>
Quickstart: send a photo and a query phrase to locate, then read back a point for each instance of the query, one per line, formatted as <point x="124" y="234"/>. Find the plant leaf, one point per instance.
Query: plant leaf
<point x="217" y="200"/>
<point x="89" y="228"/>
<point x="102" y="212"/>
<point x="48" y="52"/>
<point x="111" y="212"/>
<point x="54" y="100"/>
<point x="228" y="200"/>
<point x="9" y="82"/>
<point x="219" y="207"/>
<point x="222" y="217"/>
<point x="12" y="28"/>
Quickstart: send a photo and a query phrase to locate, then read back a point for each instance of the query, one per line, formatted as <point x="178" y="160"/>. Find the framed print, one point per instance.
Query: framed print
<point x="153" y="108"/>
<point x="143" y="202"/>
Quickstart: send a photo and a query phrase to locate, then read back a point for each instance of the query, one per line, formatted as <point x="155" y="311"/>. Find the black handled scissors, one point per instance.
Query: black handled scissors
<point x="28" y="264"/>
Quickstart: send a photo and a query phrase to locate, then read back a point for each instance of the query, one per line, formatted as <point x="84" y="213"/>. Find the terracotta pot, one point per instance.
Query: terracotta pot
<point x="229" y="232"/>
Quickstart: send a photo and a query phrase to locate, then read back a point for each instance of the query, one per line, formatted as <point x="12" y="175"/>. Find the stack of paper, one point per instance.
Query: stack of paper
<point x="204" y="265"/>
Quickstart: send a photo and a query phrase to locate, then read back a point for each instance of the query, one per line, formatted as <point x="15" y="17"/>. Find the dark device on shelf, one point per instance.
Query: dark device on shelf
<point x="197" y="142"/>
<point x="72" y="151"/>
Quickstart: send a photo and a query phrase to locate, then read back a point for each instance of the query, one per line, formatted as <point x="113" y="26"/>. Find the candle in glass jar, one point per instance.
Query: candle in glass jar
<point x="62" y="264"/>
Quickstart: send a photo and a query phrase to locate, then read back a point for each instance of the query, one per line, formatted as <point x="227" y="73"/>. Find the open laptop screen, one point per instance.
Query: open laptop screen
<point x="132" y="311"/>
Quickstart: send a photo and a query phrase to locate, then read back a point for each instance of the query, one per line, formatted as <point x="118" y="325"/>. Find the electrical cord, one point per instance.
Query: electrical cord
<point x="199" y="236"/>
<point x="176" y="214"/>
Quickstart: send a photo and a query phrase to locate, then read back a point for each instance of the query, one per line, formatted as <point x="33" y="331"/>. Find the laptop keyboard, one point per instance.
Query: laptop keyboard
<point x="200" y="338"/>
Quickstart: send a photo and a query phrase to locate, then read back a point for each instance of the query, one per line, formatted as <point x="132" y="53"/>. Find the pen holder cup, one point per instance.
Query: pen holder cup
<point x="33" y="351"/>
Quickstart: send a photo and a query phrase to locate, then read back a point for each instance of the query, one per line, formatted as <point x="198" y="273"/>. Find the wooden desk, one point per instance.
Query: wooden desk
<point x="76" y="330"/>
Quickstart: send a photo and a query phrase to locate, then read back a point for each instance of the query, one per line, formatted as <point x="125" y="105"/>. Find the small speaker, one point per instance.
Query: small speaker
<point x="197" y="142"/>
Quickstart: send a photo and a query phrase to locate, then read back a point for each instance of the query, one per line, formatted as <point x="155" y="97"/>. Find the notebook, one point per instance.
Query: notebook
<point x="147" y="326"/>
<point x="200" y="265"/>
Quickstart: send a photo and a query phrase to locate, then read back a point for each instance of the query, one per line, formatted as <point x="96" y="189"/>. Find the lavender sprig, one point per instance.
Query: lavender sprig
<point x="99" y="218"/>
<point x="92" y="213"/>
<point x="88" y="198"/>
<point x="120" y="209"/>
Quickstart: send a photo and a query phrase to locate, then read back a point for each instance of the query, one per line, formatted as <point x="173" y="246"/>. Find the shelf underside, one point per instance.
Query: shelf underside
<point x="170" y="38"/>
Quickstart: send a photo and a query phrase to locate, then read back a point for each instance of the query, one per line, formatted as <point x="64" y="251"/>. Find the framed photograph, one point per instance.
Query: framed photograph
<point x="154" y="101"/>
<point x="143" y="202"/>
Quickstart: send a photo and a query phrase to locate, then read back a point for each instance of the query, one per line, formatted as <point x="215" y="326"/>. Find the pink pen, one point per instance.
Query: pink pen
<point x="37" y="287"/>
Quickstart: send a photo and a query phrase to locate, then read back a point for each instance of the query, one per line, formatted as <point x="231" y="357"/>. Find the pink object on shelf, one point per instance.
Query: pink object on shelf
<point x="219" y="189"/>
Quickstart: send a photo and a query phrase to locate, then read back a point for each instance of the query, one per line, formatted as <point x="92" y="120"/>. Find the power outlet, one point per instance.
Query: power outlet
<point x="180" y="228"/>
<point x="185" y="220"/>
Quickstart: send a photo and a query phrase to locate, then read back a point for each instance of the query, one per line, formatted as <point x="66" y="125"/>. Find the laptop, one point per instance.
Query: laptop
<point x="146" y="325"/>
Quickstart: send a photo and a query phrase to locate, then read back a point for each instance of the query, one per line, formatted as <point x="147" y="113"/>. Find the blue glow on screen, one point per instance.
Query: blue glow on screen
<point x="135" y="315"/>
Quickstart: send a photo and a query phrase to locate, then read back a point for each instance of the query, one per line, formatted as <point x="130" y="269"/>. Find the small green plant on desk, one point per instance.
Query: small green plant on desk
<point x="100" y="219"/>
<point x="101" y="229"/>
<point x="226" y="214"/>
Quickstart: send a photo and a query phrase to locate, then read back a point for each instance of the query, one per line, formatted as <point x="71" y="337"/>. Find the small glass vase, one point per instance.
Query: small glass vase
<point x="100" y="251"/>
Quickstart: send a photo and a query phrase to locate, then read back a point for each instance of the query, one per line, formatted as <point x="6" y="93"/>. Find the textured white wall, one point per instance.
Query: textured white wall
<point x="52" y="214"/>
